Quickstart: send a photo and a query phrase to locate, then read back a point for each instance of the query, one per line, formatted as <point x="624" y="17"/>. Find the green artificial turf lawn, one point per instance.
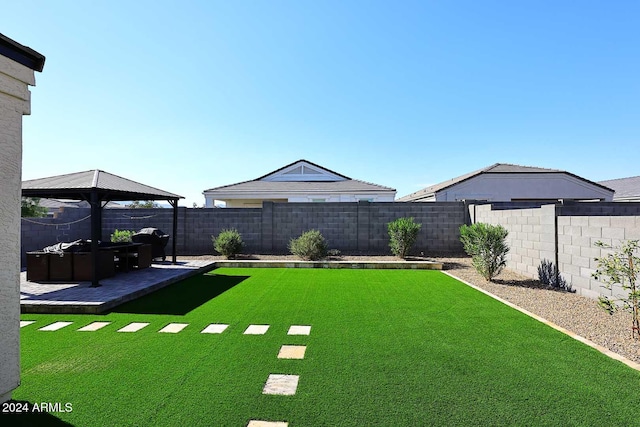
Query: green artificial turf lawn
<point x="387" y="348"/>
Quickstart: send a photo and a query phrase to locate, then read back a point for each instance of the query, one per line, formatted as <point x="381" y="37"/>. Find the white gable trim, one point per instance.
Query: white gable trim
<point x="303" y="171"/>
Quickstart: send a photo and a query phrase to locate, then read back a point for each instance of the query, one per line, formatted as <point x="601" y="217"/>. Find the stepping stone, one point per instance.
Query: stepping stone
<point x="257" y="423"/>
<point x="214" y="328"/>
<point x="284" y="385"/>
<point x="55" y="326"/>
<point x="24" y="323"/>
<point x="292" y="352"/>
<point x="174" y="328"/>
<point x="256" y="330"/>
<point x="299" y="330"/>
<point x="133" y="327"/>
<point x="94" y="326"/>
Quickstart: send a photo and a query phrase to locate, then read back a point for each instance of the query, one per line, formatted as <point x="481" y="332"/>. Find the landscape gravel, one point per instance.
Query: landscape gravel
<point x="576" y="313"/>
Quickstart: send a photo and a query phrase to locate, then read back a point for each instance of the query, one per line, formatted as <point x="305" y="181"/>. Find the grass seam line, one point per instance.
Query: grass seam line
<point x="601" y="349"/>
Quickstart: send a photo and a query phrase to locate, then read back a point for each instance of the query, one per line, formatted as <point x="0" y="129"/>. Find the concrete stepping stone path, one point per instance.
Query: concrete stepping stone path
<point x="214" y="328"/>
<point x="256" y="330"/>
<point x="92" y="327"/>
<point x="173" y="328"/>
<point x="299" y="330"/>
<point x="55" y="326"/>
<point x="133" y="327"/>
<point x="24" y="323"/>
<point x="292" y="352"/>
<point x="257" y="423"/>
<point x="285" y="385"/>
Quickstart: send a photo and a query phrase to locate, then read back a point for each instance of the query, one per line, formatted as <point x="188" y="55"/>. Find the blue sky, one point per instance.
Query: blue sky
<point x="190" y="95"/>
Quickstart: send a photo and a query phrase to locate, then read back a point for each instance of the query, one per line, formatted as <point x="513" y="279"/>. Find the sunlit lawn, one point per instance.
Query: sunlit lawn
<point x="387" y="347"/>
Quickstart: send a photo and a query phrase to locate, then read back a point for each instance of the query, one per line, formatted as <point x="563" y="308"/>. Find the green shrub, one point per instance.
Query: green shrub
<point x="30" y="207"/>
<point x="310" y="245"/>
<point x="228" y="243"/>
<point x="403" y="233"/>
<point x="122" y="236"/>
<point x="486" y="245"/>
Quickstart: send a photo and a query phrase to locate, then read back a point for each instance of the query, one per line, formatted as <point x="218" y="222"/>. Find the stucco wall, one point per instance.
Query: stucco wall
<point x="14" y="102"/>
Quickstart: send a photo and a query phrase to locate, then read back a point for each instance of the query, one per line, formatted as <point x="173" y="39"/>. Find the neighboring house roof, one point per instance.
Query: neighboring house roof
<point x="57" y="203"/>
<point x="21" y="54"/>
<point x="625" y="188"/>
<point x="318" y="180"/>
<point x="497" y="168"/>
<point x="70" y="185"/>
<point x="351" y="185"/>
<point x="321" y="168"/>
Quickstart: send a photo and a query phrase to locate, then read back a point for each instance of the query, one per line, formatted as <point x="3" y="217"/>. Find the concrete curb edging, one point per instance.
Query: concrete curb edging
<point x="387" y="265"/>
<point x="601" y="349"/>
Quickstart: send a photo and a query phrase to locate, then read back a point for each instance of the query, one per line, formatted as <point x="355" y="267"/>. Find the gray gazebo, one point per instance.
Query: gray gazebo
<point x="98" y="188"/>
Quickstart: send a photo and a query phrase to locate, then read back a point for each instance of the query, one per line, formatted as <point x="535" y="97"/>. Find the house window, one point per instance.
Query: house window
<point x="366" y="200"/>
<point x="318" y="200"/>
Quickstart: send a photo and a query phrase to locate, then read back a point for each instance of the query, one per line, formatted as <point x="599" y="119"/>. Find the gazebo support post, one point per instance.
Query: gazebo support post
<point x="174" y="203"/>
<point x="96" y="231"/>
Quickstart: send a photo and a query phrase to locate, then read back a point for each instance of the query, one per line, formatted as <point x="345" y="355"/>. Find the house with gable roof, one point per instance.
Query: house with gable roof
<point x="300" y="181"/>
<point x="626" y="189"/>
<point x="503" y="182"/>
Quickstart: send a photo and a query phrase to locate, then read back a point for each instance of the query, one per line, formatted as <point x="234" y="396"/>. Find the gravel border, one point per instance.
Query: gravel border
<point x="578" y="314"/>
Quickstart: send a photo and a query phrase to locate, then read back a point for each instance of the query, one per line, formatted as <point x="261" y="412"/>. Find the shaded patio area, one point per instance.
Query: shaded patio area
<point x="81" y="297"/>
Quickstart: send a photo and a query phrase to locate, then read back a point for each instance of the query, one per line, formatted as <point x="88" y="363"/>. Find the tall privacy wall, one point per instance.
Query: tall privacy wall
<point x="564" y="234"/>
<point x="350" y="227"/>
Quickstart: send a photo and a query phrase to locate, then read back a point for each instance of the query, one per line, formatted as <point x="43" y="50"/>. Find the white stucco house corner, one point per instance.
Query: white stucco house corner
<point x="18" y="64"/>
<point x="300" y="181"/>
<point x="503" y="182"/>
<point x="626" y="189"/>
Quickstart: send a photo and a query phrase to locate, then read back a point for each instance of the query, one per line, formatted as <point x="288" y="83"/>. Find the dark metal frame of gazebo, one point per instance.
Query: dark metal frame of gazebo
<point x="98" y="196"/>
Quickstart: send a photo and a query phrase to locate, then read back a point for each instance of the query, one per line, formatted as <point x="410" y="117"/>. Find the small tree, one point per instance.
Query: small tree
<point x="30" y="207"/>
<point x="311" y="245"/>
<point x="228" y="243"/>
<point x="621" y="267"/>
<point x="486" y="245"/>
<point x="403" y="233"/>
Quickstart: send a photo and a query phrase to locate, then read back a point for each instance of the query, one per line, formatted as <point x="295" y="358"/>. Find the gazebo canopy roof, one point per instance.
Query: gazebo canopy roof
<point x="80" y="185"/>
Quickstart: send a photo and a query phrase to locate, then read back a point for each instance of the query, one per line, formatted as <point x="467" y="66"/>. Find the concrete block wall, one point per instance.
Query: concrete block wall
<point x="197" y="226"/>
<point x="535" y="233"/>
<point x="577" y="236"/>
<point x="67" y="225"/>
<point x="531" y="235"/>
<point x="338" y="223"/>
<point x="350" y="227"/>
<point x="440" y="231"/>
<point x="136" y="219"/>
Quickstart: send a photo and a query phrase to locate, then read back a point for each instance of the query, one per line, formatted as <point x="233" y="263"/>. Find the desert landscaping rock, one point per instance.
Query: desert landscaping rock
<point x="133" y="327"/>
<point x="55" y="326"/>
<point x="299" y="330"/>
<point x="92" y="327"/>
<point x="292" y="352"/>
<point x="214" y="328"/>
<point x="173" y="328"/>
<point x="256" y="330"/>
<point x="285" y="385"/>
